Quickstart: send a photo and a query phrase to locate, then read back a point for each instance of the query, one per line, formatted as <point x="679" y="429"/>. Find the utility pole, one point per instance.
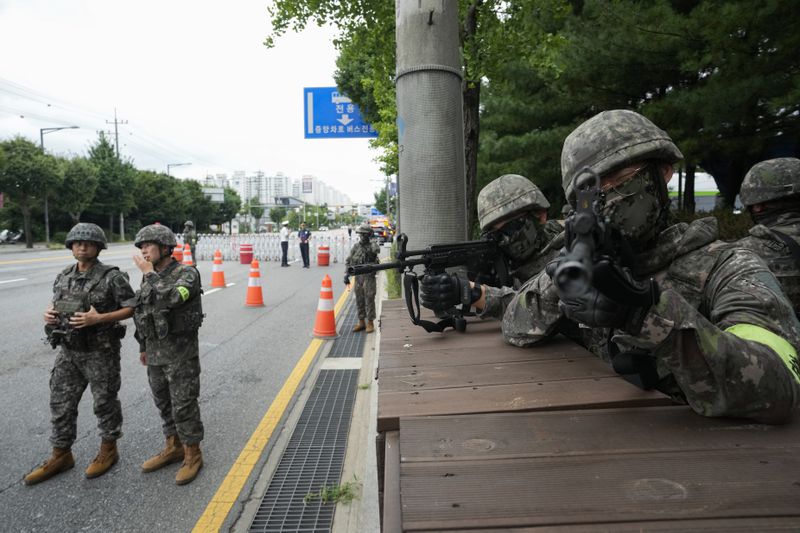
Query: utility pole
<point x="116" y="130"/>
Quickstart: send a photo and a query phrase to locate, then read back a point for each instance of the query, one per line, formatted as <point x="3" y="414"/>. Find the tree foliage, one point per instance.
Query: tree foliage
<point x="77" y="189"/>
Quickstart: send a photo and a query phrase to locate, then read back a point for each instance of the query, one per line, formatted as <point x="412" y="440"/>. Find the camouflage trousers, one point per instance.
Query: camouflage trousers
<point x="72" y="372"/>
<point x="365" y="288"/>
<point x="175" y="389"/>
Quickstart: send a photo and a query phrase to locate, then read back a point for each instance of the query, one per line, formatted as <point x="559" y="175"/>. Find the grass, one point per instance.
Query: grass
<point x="364" y="386"/>
<point x="393" y="276"/>
<point x="344" y="493"/>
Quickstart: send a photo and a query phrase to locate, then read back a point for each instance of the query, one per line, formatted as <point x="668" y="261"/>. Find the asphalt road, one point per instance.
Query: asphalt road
<point x="246" y="354"/>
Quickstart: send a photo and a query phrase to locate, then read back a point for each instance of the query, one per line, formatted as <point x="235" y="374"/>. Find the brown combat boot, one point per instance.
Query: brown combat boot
<point x="172" y="453"/>
<point x="192" y="463"/>
<point x="106" y="458"/>
<point x="60" y="461"/>
<point x="359" y="326"/>
<point x="370" y="327"/>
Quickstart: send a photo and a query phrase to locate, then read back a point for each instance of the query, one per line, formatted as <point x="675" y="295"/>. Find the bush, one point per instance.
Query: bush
<point x="393" y="276"/>
<point x="58" y="237"/>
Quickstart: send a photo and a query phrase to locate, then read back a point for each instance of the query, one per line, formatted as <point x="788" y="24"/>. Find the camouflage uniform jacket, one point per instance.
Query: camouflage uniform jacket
<point x="777" y="255"/>
<point x="168" y="314"/>
<point x="707" y="287"/>
<point x="549" y="242"/>
<point x="363" y="254"/>
<point x="106" y="289"/>
<point x="190" y="238"/>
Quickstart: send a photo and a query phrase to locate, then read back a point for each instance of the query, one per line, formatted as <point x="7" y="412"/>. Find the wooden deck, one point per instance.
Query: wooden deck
<point x="480" y="435"/>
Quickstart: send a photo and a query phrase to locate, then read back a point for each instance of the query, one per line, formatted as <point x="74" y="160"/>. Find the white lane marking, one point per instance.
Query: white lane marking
<point x="12" y="280"/>
<point x="218" y="289"/>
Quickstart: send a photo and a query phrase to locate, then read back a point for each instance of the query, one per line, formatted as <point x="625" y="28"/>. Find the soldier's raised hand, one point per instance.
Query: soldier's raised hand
<point x="51" y="316"/>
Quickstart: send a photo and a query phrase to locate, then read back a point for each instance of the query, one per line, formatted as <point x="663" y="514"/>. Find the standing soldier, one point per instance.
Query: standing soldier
<point x="364" y="252"/>
<point x="304" y="235"/>
<point x="190" y="238"/>
<point x="89" y="300"/>
<point x="168" y="315"/>
<point x="771" y="193"/>
<point x="284" y="236"/>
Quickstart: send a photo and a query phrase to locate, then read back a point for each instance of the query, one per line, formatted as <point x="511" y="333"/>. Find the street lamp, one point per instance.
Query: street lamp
<point x="42" y="133"/>
<point x="170" y="165"/>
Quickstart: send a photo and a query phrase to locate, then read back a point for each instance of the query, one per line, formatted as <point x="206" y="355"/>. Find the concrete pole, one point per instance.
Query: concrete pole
<point x="431" y="179"/>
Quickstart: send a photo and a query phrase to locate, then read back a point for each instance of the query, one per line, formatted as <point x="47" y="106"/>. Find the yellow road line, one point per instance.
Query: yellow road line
<point x="228" y="492"/>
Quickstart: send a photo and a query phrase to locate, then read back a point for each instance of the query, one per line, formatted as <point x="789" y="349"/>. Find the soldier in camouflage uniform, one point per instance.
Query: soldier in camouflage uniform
<point x="364" y="252"/>
<point x="190" y="238"/>
<point x="168" y="316"/>
<point x="720" y="335"/>
<point x="512" y="210"/>
<point x="771" y="193"/>
<point x="89" y="300"/>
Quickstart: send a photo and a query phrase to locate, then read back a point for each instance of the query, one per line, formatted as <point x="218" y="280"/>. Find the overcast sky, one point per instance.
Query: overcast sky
<point x="191" y="78"/>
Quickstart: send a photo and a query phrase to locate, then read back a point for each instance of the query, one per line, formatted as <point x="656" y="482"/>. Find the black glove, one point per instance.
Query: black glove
<point x="347" y="279"/>
<point x="443" y="291"/>
<point x="594" y="309"/>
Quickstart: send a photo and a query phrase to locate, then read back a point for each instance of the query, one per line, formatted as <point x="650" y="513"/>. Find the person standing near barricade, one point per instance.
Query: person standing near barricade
<point x="190" y="238"/>
<point x="285" y="243"/>
<point x="169" y="314"/>
<point x="364" y="252"/>
<point x="89" y="300"/>
<point x="304" y="235"/>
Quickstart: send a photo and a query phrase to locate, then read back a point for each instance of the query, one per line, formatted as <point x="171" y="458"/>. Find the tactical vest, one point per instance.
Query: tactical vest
<point x="69" y="298"/>
<point x="154" y="320"/>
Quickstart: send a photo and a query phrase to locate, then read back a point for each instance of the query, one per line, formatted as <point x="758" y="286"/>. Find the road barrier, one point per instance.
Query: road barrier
<point x="325" y="323"/>
<point x="217" y="274"/>
<point x="323" y="256"/>
<point x="254" y="297"/>
<point x="187" y="255"/>
<point x="267" y="247"/>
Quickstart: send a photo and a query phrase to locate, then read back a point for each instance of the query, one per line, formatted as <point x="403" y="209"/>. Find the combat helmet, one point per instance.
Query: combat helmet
<point x="188" y="223"/>
<point x="771" y="180"/>
<point x="364" y="228"/>
<point x="508" y="195"/>
<point x="610" y="140"/>
<point x="155" y="233"/>
<point x="86" y="231"/>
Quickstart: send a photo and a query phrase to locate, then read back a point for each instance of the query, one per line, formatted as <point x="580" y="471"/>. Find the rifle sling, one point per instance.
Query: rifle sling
<point x="411" y="289"/>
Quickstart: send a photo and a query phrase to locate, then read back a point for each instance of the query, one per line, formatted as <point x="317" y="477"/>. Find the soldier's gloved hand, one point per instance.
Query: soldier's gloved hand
<point x="347" y="279"/>
<point x="443" y="291"/>
<point x="594" y="309"/>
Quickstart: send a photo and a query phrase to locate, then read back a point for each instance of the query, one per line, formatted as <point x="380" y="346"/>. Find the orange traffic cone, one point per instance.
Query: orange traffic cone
<point x="217" y="274"/>
<point x="177" y="253"/>
<point x="187" y="255"/>
<point x="325" y="325"/>
<point x="254" y="298"/>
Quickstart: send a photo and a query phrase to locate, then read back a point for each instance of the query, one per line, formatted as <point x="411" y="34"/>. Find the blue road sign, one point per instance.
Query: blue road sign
<point x="330" y="115"/>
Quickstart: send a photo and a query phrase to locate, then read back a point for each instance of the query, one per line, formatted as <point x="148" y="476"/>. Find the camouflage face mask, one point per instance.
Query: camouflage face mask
<point x="517" y="238"/>
<point x="637" y="207"/>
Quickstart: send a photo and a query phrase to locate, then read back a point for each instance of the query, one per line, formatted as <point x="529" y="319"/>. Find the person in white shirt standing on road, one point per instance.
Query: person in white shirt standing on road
<point x="285" y="243"/>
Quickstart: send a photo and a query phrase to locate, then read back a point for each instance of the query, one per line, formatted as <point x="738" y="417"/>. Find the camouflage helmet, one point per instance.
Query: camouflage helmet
<point x="612" y="140"/>
<point x="508" y="195"/>
<point x="770" y="180"/>
<point x="364" y="228"/>
<point x="188" y="223"/>
<point x="155" y="233"/>
<point x="86" y="231"/>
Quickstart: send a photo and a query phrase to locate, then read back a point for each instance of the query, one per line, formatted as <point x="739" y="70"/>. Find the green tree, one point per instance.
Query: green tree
<point x="380" y="203"/>
<point x="230" y="206"/>
<point x="78" y="187"/>
<point x="256" y="211"/>
<point x="115" y="188"/>
<point x="25" y="175"/>
<point x="277" y="215"/>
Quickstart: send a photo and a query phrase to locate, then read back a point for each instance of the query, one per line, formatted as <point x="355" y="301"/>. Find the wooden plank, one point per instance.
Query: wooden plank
<point x="732" y="525"/>
<point x="604" y="431"/>
<point x="534" y="396"/>
<point x="391" y="492"/>
<point x="691" y="484"/>
<point x="465" y="353"/>
<point x="428" y="378"/>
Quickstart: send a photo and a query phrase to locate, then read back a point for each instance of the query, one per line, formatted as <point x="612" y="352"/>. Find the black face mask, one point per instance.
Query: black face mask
<point x="517" y="238"/>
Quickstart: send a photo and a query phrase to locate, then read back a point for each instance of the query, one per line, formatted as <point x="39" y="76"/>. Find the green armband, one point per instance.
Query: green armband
<point x="780" y="346"/>
<point x="184" y="292"/>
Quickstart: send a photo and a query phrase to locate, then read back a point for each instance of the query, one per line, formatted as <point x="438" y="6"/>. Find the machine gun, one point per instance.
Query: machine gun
<point x="482" y="259"/>
<point x="64" y="332"/>
<point x="592" y="254"/>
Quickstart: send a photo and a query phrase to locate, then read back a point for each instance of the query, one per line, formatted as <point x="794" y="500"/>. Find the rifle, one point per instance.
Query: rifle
<point x="483" y="261"/>
<point x="592" y="252"/>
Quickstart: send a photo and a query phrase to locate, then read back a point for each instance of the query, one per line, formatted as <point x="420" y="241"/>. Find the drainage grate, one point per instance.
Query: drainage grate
<point x="348" y="344"/>
<point x="312" y="459"/>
